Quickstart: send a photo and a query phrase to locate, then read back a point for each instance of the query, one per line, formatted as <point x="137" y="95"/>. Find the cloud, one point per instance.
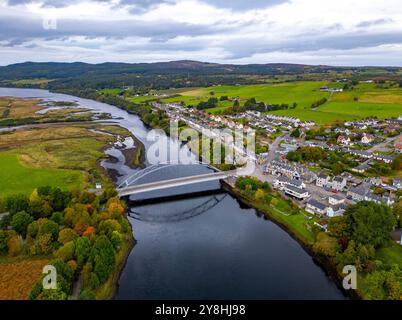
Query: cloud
<point x="209" y="30"/>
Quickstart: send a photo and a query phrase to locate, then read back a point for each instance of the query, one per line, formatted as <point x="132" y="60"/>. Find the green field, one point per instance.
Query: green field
<point x="365" y="100"/>
<point x="17" y="178"/>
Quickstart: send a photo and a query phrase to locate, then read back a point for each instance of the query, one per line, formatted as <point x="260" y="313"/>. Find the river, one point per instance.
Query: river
<point x="205" y="247"/>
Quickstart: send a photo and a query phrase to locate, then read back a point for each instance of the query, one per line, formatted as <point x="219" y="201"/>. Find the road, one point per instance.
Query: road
<point x="383" y="145"/>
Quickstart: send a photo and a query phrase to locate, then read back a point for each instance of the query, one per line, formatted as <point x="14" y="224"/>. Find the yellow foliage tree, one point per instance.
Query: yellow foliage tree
<point x="259" y="195"/>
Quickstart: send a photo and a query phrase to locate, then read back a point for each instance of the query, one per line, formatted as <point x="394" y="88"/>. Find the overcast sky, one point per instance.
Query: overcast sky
<point x="341" y="32"/>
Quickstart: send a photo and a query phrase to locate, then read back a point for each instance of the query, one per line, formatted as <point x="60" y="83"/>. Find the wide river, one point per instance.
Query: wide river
<point x="205" y="247"/>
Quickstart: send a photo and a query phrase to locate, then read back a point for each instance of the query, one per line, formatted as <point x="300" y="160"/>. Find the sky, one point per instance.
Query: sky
<point x="339" y="33"/>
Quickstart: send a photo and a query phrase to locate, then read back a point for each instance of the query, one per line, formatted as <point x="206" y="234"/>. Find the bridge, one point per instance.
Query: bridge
<point x="129" y="186"/>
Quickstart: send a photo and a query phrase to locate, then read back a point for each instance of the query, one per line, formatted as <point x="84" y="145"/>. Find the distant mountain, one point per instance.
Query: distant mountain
<point x="56" y="70"/>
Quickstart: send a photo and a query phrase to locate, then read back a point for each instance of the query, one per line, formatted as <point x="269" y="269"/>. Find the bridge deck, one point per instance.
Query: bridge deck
<point x="165" y="184"/>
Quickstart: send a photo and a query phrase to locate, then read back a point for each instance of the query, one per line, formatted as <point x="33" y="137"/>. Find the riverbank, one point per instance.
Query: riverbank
<point x="326" y="264"/>
<point x="109" y="289"/>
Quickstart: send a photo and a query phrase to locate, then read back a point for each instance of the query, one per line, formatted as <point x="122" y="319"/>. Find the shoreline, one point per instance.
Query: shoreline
<point x="324" y="263"/>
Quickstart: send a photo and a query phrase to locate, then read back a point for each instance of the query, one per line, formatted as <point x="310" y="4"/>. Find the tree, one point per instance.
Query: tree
<point x="14" y="245"/>
<point x="398" y="212"/>
<point x="295" y="133"/>
<point x="66" y="252"/>
<point x="369" y="223"/>
<point x="3" y="242"/>
<point x="17" y="203"/>
<point x="259" y="194"/>
<point x="82" y="250"/>
<point x="397" y="163"/>
<point x="108" y="226"/>
<point x="49" y="227"/>
<point x="326" y="245"/>
<point x="20" y="222"/>
<point x="67" y="235"/>
<point x="103" y="257"/>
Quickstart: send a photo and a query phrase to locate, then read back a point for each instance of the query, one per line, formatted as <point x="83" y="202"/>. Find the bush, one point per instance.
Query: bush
<point x="67" y="235"/>
<point x="17" y="203"/>
<point x="66" y="252"/>
<point x="3" y="242"/>
<point x="87" y="294"/>
<point x="20" y="222"/>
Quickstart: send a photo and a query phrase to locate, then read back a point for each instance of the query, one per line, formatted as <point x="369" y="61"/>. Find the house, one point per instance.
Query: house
<point x="357" y="193"/>
<point x="338" y="183"/>
<point x="383" y="158"/>
<point x="373" y="197"/>
<point x="98" y="185"/>
<point x="322" y="180"/>
<point x="336" y="210"/>
<point x="335" y="199"/>
<point x="315" y="207"/>
<point x="396" y="235"/>
<point x="397" y="183"/>
<point x="283" y="181"/>
<point x="367" y="138"/>
<point x="299" y="193"/>
<point x="344" y="140"/>
<point x="361" y="168"/>
<point x="361" y="153"/>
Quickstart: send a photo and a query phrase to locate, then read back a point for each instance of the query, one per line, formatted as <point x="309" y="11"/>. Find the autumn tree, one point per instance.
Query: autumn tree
<point x="67" y="235"/>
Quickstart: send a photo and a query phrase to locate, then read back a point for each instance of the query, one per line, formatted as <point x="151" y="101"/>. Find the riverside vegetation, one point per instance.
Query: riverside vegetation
<point x="361" y="237"/>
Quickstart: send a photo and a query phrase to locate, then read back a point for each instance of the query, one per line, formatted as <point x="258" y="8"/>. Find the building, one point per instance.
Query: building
<point x="344" y="140"/>
<point x="361" y="168"/>
<point x="335" y="199"/>
<point x="357" y="193"/>
<point x="383" y="158"/>
<point x="322" y="180"/>
<point x="367" y="138"/>
<point x="336" y="210"/>
<point x="315" y="207"/>
<point x="299" y="193"/>
<point x="283" y="181"/>
<point x="338" y="183"/>
<point x="361" y="153"/>
<point x="98" y="185"/>
<point x="397" y="183"/>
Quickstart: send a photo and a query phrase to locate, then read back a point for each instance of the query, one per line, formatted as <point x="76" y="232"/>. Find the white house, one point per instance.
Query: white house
<point x="367" y="138"/>
<point x="322" y="180"/>
<point x="338" y="183"/>
<point x="335" y="199"/>
<point x="315" y="207"/>
<point x="298" y="193"/>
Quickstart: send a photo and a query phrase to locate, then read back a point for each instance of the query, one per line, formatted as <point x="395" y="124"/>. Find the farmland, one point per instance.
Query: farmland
<point x="364" y="100"/>
<point x="15" y="282"/>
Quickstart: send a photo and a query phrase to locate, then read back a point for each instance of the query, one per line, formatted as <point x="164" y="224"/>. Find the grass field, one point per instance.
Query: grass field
<point x="64" y="156"/>
<point x="17" y="178"/>
<point x="365" y="100"/>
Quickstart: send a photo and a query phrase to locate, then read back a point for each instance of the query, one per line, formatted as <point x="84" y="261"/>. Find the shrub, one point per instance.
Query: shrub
<point x="66" y="252"/>
<point x="67" y="235"/>
<point x="20" y="222"/>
